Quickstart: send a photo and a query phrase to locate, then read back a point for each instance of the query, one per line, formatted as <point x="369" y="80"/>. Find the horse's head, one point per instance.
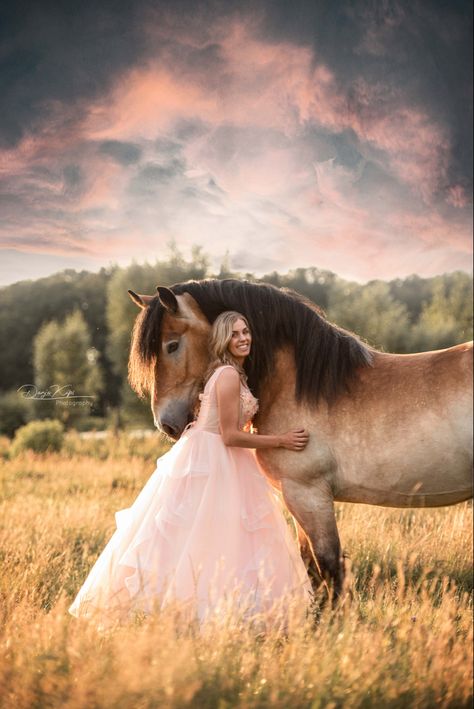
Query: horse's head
<point x="169" y="356"/>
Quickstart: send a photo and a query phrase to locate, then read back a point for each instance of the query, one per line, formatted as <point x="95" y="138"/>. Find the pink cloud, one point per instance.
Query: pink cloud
<point x="58" y="240"/>
<point x="269" y="196"/>
<point x="283" y="90"/>
<point x="334" y="186"/>
<point x="434" y="230"/>
<point x="255" y="86"/>
<point x="414" y="146"/>
<point x="270" y="85"/>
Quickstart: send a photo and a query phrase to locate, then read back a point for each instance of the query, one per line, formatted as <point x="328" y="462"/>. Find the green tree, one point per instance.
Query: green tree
<point x="27" y="305"/>
<point x="414" y="292"/>
<point x="446" y="319"/>
<point x="65" y="359"/>
<point x="312" y="282"/>
<point x="15" y="411"/>
<point x="415" y="314"/>
<point x="371" y="312"/>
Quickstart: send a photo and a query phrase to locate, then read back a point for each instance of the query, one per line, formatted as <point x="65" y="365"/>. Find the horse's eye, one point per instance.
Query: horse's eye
<point x="172" y="347"/>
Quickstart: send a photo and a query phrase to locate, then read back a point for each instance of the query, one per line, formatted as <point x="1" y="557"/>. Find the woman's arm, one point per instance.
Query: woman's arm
<point x="228" y="403"/>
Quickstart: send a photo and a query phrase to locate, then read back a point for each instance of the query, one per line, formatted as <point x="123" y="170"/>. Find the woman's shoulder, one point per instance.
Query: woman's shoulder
<point x="217" y="372"/>
<point x="228" y="368"/>
<point x="224" y="373"/>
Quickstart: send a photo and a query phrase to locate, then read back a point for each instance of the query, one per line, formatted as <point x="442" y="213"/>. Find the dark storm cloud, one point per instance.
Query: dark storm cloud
<point x="205" y="66"/>
<point x="73" y="179"/>
<point x="421" y="51"/>
<point x="122" y="153"/>
<point x="61" y="52"/>
<point x="166" y="147"/>
<point x="70" y="51"/>
<point x="160" y="173"/>
<point x="323" y="130"/>
<point x="186" y="129"/>
<point x="154" y="173"/>
<point x="67" y="51"/>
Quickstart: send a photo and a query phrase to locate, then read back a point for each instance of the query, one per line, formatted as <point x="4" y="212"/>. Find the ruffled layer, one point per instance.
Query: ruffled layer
<point x="206" y="523"/>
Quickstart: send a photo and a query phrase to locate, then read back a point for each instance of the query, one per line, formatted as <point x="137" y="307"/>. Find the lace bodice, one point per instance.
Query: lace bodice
<point x="208" y="417"/>
<point x="248" y="405"/>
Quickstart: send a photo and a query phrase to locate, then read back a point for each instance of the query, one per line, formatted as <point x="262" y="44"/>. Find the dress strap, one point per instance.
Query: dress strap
<point x="210" y="382"/>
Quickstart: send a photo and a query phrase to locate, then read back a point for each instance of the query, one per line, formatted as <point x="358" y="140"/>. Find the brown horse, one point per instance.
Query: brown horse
<point x="385" y="429"/>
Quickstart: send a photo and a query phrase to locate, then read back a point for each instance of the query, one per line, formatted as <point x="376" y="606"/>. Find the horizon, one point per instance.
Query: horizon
<point x="281" y="136"/>
<point x="238" y="275"/>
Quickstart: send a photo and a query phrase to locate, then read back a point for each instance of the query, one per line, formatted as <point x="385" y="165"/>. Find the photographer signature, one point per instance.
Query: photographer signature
<point x="55" y="391"/>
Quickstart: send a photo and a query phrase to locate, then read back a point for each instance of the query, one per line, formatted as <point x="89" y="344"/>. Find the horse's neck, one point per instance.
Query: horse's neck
<point x="281" y="382"/>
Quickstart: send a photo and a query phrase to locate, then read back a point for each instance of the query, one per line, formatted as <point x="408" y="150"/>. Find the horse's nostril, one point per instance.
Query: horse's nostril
<point x="170" y="431"/>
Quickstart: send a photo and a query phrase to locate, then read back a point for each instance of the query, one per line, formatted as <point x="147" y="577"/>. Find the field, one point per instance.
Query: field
<point x="403" y="638"/>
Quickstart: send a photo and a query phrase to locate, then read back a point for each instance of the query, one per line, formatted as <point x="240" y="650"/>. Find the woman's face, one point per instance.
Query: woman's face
<point x="239" y="345"/>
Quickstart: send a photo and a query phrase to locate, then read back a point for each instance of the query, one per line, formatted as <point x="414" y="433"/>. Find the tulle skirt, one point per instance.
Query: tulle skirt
<point x="206" y="529"/>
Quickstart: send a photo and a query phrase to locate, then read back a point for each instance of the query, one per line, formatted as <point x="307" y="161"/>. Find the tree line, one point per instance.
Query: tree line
<point x="73" y="329"/>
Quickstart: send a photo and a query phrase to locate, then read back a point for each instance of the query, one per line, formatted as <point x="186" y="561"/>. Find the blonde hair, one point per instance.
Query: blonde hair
<point x="221" y="335"/>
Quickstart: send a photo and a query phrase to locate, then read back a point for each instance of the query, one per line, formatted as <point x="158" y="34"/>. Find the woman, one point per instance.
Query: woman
<point x="206" y="528"/>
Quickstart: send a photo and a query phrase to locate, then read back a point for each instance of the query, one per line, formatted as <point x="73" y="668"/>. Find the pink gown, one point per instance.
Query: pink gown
<point x="207" y="526"/>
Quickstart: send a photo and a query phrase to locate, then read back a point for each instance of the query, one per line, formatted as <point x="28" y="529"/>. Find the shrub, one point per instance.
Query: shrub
<point x="13" y="412"/>
<point x="39" y="436"/>
<point x="4" y="447"/>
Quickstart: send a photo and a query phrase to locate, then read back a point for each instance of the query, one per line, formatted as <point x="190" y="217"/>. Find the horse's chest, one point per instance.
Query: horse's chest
<point x="316" y="460"/>
<point x="306" y="466"/>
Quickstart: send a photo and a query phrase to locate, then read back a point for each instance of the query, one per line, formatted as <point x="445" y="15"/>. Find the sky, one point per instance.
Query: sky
<point x="335" y="135"/>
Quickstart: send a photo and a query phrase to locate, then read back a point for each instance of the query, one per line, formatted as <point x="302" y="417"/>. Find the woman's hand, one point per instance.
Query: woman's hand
<point x="228" y="403"/>
<point x="294" y="440"/>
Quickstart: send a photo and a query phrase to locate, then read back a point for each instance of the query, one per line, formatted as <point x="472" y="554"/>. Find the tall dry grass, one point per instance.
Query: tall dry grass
<point x="404" y="638"/>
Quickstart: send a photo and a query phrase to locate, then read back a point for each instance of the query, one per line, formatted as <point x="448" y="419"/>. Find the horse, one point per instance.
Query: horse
<point x="385" y="429"/>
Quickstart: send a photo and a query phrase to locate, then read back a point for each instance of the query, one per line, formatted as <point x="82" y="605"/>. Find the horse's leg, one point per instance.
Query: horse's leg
<point x="313" y="507"/>
<point x="308" y="557"/>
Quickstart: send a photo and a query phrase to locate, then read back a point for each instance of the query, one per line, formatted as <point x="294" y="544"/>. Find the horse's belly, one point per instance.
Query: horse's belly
<point x="394" y="498"/>
<point x="428" y="466"/>
<point x="379" y="451"/>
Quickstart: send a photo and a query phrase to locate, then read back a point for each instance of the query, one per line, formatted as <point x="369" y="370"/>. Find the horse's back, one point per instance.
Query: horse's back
<point x="420" y="431"/>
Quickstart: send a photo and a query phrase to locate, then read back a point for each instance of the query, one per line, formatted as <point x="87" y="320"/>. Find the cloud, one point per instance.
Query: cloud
<point x="220" y="134"/>
<point x="407" y="141"/>
<point x="123" y="153"/>
<point x="64" y="53"/>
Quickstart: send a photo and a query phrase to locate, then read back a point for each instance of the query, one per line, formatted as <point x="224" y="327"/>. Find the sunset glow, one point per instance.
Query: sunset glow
<point x="241" y="134"/>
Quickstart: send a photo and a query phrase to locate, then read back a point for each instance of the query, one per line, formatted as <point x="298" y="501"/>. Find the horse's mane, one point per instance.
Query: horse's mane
<point x="326" y="356"/>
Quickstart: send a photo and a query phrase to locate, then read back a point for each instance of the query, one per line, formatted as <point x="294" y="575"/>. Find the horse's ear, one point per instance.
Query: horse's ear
<point x="143" y="301"/>
<point x="168" y="299"/>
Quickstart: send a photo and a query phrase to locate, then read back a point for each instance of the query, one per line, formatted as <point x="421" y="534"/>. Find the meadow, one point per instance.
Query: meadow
<point x="401" y="638"/>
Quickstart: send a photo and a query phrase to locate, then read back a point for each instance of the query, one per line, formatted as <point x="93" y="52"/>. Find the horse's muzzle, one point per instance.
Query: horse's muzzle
<point x="174" y="418"/>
